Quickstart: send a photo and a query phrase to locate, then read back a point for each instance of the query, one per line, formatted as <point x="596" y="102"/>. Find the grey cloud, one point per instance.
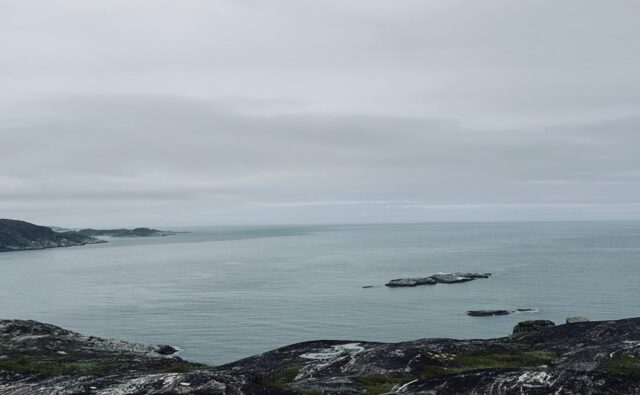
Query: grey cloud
<point x="282" y="111"/>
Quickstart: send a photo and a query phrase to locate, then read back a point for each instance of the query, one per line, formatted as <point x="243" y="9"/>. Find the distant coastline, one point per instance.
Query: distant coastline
<point x="16" y="235"/>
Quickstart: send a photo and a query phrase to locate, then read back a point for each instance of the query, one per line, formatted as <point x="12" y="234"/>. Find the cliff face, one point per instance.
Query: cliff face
<point x="19" y="235"/>
<point x="582" y="358"/>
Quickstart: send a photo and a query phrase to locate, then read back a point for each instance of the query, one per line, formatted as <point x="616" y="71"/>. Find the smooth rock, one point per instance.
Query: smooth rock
<point x="368" y="286"/>
<point x="532" y="326"/>
<point x="573" y="320"/>
<point x="487" y="313"/>
<point x="450" y="278"/>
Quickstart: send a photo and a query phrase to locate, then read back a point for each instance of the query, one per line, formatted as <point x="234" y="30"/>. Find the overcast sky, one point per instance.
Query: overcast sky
<point x="201" y="112"/>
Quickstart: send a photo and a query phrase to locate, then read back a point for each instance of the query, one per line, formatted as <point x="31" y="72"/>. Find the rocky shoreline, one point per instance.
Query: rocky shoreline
<point x="19" y="236"/>
<point x="539" y="358"/>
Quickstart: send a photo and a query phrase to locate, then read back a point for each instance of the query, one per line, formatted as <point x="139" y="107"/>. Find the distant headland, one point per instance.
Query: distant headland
<point x="18" y="235"/>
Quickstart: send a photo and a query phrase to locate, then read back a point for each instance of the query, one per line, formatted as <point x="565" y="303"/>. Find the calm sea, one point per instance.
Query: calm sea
<point x="221" y="294"/>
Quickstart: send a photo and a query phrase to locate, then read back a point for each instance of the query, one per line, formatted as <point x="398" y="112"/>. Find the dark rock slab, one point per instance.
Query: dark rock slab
<point x="411" y="282"/>
<point x="164" y="349"/>
<point x="487" y="313"/>
<point x="473" y="275"/>
<point x="573" y="320"/>
<point x="532" y="326"/>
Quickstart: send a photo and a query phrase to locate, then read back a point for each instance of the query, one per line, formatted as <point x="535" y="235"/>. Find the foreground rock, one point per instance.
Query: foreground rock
<point x="443" y="278"/>
<point x="590" y="358"/>
<point x="19" y="235"/>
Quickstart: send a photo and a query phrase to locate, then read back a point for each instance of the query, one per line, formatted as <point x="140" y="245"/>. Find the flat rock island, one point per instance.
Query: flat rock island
<point x="438" y="278"/>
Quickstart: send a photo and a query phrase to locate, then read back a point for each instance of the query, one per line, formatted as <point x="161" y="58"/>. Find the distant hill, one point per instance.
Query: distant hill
<point x="137" y="232"/>
<point x="20" y="235"/>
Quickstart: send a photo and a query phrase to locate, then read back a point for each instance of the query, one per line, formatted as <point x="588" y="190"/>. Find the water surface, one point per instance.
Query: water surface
<point x="225" y="293"/>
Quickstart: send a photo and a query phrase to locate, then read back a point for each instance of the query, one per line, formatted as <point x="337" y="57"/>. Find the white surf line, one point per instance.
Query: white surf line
<point x="405" y="385"/>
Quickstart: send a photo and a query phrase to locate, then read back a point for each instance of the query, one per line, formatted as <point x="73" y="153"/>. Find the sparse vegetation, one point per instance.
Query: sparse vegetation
<point x="53" y="367"/>
<point x="381" y="383"/>
<point x="502" y="359"/>
<point x="622" y="363"/>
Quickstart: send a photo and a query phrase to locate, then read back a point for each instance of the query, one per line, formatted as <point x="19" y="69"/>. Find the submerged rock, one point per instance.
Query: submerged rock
<point x="587" y="359"/>
<point x="573" y="320"/>
<point x="487" y="313"/>
<point x="532" y="326"/>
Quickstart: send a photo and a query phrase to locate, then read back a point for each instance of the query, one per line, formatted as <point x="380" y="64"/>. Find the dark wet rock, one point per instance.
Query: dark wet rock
<point x="19" y="235"/>
<point x="527" y="310"/>
<point x="410" y="282"/>
<point x="487" y="313"/>
<point x="532" y="326"/>
<point x="586" y="359"/>
<point x="367" y="286"/>
<point x="164" y="349"/>
<point x="573" y="320"/>
<point x="473" y="275"/>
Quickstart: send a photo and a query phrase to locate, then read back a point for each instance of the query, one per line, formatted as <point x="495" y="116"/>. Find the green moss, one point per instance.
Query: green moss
<point x="430" y="371"/>
<point x="502" y="359"/>
<point x="287" y="376"/>
<point x="181" y="367"/>
<point x="622" y="363"/>
<point x="281" y="380"/>
<point x="380" y="383"/>
<point x="51" y="367"/>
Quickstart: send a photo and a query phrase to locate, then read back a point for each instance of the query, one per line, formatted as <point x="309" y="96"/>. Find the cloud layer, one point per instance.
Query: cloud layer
<point x="121" y="113"/>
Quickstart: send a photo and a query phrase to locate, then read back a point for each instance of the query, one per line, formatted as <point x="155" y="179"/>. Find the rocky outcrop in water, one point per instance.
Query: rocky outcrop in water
<point x="442" y="278"/>
<point x="19" y="235"/>
<point x="581" y="358"/>
<point x="487" y="313"/>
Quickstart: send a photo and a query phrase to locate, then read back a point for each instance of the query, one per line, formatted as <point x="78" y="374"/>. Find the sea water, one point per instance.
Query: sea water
<point x="224" y="293"/>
